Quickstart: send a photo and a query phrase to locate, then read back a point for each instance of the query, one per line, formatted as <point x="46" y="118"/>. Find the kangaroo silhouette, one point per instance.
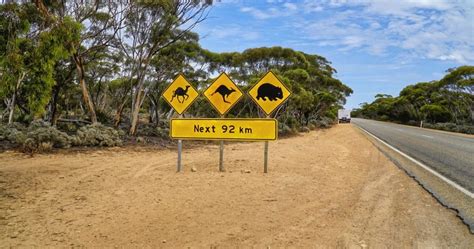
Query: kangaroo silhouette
<point x="224" y="92"/>
<point x="180" y="92"/>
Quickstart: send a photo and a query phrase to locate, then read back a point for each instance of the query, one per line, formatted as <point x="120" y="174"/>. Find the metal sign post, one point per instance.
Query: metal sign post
<point x="180" y="149"/>
<point x="223" y="94"/>
<point x="265" y="155"/>
<point x="269" y="93"/>
<point x="180" y="94"/>
<point x="265" y="158"/>
<point x="221" y="154"/>
<point x="221" y="157"/>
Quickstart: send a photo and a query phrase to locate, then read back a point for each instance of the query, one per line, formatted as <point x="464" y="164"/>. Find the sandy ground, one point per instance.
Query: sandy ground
<point x="328" y="188"/>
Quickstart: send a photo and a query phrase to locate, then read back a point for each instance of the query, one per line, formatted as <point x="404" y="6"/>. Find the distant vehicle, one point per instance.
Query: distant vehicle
<point x="344" y="116"/>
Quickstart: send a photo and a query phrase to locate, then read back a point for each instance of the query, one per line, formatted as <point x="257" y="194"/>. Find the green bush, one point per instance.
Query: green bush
<point x="284" y="129"/>
<point x="468" y="129"/>
<point x="148" y="130"/>
<point x="305" y="129"/>
<point x="13" y="133"/>
<point x="311" y="126"/>
<point x="163" y="132"/>
<point x="98" y="135"/>
<point x="41" y="137"/>
<point x="68" y="127"/>
<point x="322" y="123"/>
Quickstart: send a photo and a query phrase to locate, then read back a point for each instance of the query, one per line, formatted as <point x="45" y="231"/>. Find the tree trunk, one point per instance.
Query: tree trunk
<point x="13" y="102"/>
<point x="12" y="108"/>
<point x="54" y="106"/>
<point x="136" y="110"/>
<point x="118" y="114"/>
<point x="154" y="112"/>
<point x="85" y="92"/>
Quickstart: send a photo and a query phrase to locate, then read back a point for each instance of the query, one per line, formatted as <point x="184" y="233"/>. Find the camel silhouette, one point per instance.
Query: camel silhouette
<point x="224" y="92"/>
<point x="180" y="92"/>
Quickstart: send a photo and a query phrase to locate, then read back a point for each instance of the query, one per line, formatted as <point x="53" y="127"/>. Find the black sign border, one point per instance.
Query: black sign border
<point x="225" y="139"/>
<point x="185" y="109"/>
<point x="283" y="102"/>
<point x="231" y="106"/>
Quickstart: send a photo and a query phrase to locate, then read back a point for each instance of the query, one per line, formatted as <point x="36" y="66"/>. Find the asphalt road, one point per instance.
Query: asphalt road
<point x="450" y="154"/>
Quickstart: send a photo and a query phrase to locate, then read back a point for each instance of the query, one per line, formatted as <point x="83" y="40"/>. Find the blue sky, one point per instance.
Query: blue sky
<point x="377" y="46"/>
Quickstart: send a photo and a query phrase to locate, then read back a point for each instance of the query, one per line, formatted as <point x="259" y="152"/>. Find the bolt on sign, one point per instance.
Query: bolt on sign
<point x="223" y="94"/>
<point x="180" y="94"/>
<point x="224" y="129"/>
<point x="269" y="93"/>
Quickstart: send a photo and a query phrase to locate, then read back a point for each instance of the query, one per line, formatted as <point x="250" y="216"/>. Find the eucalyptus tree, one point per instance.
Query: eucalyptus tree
<point x="311" y="78"/>
<point x="101" y="21"/>
<point x="33" y="46"/>
<point x="151" y="26"/>
<point x="184" y="56"/>
<point x="450" y="99"/>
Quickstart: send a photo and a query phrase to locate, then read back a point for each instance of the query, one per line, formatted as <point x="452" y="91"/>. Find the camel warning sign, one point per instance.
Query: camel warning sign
<point x="180" y="94"/>
<point x="269" y="93"/>
<point x="223" y="94"/>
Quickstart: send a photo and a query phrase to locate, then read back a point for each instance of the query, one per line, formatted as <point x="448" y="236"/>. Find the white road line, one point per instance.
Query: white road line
<point x="427" y="136"/>
<point x="455" y="185"/>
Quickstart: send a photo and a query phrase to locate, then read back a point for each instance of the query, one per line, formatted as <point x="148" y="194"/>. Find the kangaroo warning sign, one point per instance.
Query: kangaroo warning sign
<point x="269" y="93"/>
<point x="224" y="129"/>
<point x="223" y="94"/>
<point x="180" y="94"/>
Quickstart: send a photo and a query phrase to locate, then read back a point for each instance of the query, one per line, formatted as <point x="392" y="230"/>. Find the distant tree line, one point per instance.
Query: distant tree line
<point x="444" y="104"/>
<point x="74" y="62"/>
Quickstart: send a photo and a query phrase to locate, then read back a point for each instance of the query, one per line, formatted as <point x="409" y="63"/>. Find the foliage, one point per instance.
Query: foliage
<point x="98" y="135"/>
<point x="468" y="129"/>
<point x="31" y="49"/>
<point x="74" y="62"/>
<point x="447" y="101"/>
<point x="41" y="137"/>
<point x="12" y="133"/>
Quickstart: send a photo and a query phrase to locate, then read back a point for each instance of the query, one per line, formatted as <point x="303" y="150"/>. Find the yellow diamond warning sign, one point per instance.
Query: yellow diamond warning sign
<point x="269" y="93"/>
<point x="223" y="94"/>
<point x="180" y="94"/>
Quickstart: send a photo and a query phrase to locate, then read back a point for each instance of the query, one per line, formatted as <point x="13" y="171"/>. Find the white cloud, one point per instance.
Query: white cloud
<point x="433" y="29"/>
<point x="273" y="10"/>
<point x="290" y="6"/>
<point x="231" y="32"/>
<point x="442" y="30"/>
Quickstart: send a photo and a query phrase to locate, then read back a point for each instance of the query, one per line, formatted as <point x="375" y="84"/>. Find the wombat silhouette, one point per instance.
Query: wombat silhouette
<point x="224" y="92"/>
<point x="180" y="92"/>
<point x="267" y="91"/>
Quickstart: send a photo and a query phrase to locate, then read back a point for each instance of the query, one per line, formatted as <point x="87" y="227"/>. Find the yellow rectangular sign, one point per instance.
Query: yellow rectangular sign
<point x="224" y="129"/>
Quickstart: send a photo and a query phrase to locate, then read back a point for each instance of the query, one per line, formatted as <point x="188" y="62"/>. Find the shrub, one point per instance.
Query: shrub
<point x="468" y="129"/>
<point x="13" y="133"/>
<point x="311" y="126"/>
<point x="98" y="135"/>
<point x="68" y="127"/>
<point x="413" y="123"/>
<point x="322" y="123"/>
<point x="304" y="129"/>
<point x="163" y="132"/>
<point x="284" y="129"/>
<point x="36" y="124"/>
<point x="151" y="130"/>
<point x="40" y="138"/>
<point x="148" y="130"/>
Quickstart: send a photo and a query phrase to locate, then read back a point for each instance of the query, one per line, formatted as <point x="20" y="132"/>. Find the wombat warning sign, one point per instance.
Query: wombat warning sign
<point x="269" y="93"/>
